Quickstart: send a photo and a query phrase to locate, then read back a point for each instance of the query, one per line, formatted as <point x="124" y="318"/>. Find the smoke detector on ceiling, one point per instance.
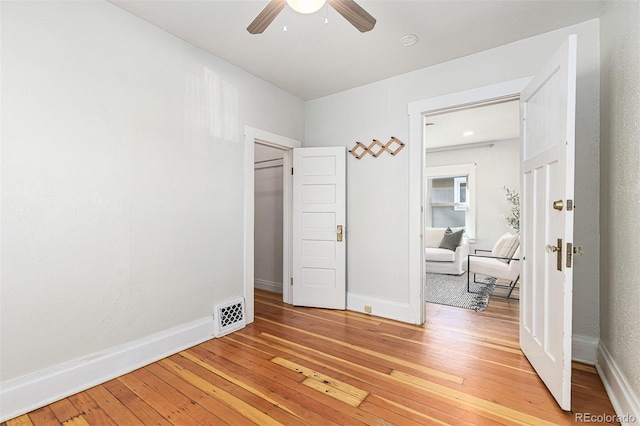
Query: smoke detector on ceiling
<point x="409" y="40"/>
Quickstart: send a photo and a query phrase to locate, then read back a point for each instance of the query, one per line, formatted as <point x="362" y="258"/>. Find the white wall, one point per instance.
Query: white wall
<point x="377" y="189"/>
<point x="619" y="354"/>
<point x="122" y="180"/>
<point x="491" y="177"/>
<point x="268" y="219"/>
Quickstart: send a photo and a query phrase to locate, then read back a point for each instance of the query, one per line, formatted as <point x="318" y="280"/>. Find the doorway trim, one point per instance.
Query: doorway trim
<point x="251" y="137"/>
<point x="417" y="111"/>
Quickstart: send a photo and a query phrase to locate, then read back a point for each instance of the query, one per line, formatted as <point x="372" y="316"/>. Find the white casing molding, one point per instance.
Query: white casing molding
<point x="416" y="112"/>
<point x="380" y="307"/>
<point x="584" y="349"/>
<point x="251" y="137"/>
<point x="36" y="390"/>
<point x="623" y="398"/>
<point x="268" y="285"/>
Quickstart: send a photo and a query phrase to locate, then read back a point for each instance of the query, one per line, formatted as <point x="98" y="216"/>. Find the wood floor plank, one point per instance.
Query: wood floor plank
<point x="480" y="403"/>
<point x="270" y="333"/>
<point x="23" y="420"/>
<point x="277" y="414"/>
<point x="142" y="410"/>
<point x="217" y="409"/>
<point x="353" y="416"/>
<point x="269" y="381"/>
<point x="451" y="351"/>
<point x="327" y="384"/>
<point x="299" y="398"/>
<point x="236" y="394"/>
<point x="64" y="410"/>
<point x="201" y="362"/>
<point x="43" y="416"/>
<point x="184" y="404"/>
<point x="91" y="412"/>
<point x="304" y="366"/>
<point x="391" y="416"/>
<point x="76" y="421"/>
<point x="407" y="414"/>
<point x="387" y="385"/>
<point x="392" y="359"/>
<point x="237" y="404"/>
<point x="584" y="367"/>
<point x="167" y="409"/>
<point x="112" y="406"/>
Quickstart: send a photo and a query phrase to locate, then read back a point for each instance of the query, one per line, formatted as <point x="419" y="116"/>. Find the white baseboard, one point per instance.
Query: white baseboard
<point x="268" y="285"/>
<point x="623" y="398"/>
<point x="27" y="393"/>
<point x="584" y="349"/>
<point x="379" y="307"/>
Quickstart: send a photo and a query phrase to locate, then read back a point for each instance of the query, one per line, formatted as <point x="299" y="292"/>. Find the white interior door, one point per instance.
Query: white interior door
<point x="319" y="214"/>
<point x="548" y="141"/>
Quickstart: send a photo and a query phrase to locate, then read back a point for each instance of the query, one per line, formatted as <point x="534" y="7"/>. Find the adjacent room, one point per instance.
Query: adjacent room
<point x="467" y="190"/>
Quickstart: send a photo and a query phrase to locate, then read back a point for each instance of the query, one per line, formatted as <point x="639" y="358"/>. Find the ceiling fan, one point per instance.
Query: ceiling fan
<point x="349" y="9"/>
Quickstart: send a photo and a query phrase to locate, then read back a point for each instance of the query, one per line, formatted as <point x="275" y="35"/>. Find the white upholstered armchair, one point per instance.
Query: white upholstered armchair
<point x="502" y="262"/>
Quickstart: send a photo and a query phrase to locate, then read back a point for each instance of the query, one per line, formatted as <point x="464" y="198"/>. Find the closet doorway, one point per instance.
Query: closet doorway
<point x="256" y="139"/>
<point x="268" y="218"/>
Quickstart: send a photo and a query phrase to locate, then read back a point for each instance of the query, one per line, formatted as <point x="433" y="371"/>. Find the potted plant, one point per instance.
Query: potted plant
<point x="513" y="218"/>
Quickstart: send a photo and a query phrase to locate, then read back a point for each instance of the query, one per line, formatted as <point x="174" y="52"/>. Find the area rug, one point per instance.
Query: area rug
<point x="451" y="290"/>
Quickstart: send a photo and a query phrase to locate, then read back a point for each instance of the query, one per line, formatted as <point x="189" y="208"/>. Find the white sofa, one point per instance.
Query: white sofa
<point x="440" y="260"/>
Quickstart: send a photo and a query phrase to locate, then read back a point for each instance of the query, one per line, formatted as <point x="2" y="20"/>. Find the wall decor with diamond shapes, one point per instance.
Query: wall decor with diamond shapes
<point x="376" y="148"/>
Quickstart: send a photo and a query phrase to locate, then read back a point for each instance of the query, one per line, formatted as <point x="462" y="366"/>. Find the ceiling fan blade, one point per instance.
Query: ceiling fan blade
<point x="355" y="14"/>
<point x="265" y="17"/>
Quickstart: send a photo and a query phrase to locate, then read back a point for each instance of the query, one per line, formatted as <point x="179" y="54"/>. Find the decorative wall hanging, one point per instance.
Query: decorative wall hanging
<point x="376" y="148"/>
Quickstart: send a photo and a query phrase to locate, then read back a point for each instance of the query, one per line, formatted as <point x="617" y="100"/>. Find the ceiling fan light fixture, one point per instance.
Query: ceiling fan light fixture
<point x="349" y="9"/>
<point x="306" y="6"/>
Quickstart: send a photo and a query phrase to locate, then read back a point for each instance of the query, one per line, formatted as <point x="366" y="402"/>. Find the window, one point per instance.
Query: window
<point x="460" y="193"/>
<point x="451" y="197"/>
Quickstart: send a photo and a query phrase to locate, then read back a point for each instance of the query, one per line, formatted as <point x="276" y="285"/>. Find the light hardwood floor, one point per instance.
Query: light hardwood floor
<point x="300" y="366"/>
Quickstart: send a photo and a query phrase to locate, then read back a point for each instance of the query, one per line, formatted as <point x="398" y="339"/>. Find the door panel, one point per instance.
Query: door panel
<point x="319" y="209"/>
<point x="548" y="138"/>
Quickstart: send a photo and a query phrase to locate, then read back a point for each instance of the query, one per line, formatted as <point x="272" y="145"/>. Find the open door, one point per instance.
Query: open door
<point x="548" y="142"/>
<point x="319" y="214"/>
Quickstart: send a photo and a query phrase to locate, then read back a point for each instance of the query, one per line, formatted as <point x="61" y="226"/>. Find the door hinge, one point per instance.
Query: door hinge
<point x="292" y="171"/>
<point x="292" y="281"/>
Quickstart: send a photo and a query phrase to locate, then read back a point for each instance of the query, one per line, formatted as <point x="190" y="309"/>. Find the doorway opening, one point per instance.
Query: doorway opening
<point x="268" y="218"/>
<point x="253" y="138"/>
<point x="417" y="124"/>
<point x="472" y="157"/>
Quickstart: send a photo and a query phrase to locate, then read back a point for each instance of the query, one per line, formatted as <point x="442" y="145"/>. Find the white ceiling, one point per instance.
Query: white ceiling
<point x="312" y="60"/>
<point x="488" y="123"/>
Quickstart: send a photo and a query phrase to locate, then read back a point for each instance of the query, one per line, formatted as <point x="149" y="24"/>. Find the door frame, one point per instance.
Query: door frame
<point x="417" y="111"/>
<point x="251" y="137"/>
